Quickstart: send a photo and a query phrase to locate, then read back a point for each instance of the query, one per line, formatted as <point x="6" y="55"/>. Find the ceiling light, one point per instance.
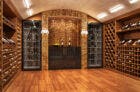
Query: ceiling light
<point x="116" y="8"/>
<point x="133" y="1"/>
<point x="102" y="15"/>
<point x="27" y="3"/>
<point x="29" y="12"/>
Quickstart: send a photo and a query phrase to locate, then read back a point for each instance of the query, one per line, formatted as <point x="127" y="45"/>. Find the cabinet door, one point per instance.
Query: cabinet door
<point x="67" y="57"/>
<point x="31" y="45"/>
<point x="94" y="45"/>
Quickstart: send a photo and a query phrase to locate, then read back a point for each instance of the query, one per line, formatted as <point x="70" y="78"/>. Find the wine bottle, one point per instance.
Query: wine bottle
<point x="136" y="42"/>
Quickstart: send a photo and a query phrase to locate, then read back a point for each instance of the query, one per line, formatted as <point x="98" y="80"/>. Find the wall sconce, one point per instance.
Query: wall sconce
<point x="84" y="32"/>
<point x="45" y="32"/>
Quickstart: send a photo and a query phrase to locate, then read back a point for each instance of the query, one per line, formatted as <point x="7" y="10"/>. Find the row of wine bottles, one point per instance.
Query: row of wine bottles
<point x="131" y="25"/>
<point x="7" y="41"/>
<point x="11" y="64"/>
<point x="129" y="42"/>
<point x="128" y="60"/>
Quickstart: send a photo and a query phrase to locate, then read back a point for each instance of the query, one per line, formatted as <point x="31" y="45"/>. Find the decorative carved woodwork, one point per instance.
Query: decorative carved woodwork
<point x="64" y="31"/>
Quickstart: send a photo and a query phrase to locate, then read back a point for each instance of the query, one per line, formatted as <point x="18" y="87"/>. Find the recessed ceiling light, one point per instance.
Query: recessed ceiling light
<point x="102" y="15"/>
<point x="133" y="1"/>
<point x="29" y="12"/>
<point x="116" y="8"/>
<point x="27" y="3"/>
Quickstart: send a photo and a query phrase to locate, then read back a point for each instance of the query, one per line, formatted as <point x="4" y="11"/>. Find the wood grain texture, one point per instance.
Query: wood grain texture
<point x="92" y="80"/>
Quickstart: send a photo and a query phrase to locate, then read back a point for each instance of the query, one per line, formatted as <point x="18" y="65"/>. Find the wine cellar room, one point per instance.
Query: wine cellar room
<point x="69" y="45"/>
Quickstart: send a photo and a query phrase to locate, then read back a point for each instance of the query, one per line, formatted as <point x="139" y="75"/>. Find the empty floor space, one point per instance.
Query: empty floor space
<point x="91" y="80"/>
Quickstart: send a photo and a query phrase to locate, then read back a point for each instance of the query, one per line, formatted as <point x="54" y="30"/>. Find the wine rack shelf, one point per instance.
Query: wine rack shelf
<point x="8" y="23"/>
<point x="129" y="30"/>
<point x="109" y="44"/>
<point x="10" y="44"/>
<point x="94" y="45"/>
<point x="128" y="60"/>
<point x="131" y="23"/>
<point x="10" y="63"/>
<point x="122" y="45"/>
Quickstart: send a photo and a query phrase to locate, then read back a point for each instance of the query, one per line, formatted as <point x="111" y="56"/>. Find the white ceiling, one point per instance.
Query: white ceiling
<point x="91" y="7"/>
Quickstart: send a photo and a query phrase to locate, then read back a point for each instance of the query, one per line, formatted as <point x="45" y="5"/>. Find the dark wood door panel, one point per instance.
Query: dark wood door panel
<point x="64" y="57"/>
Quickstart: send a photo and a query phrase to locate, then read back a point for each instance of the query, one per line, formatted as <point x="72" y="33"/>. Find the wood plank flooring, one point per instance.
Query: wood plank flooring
<point x="80" y="80"/>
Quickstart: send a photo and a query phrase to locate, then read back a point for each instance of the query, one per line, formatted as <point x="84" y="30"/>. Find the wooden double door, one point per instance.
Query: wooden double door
<point x="64" y="57"/>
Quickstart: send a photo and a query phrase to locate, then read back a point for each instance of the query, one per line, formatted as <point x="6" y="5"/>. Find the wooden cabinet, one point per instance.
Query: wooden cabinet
<point x="64" y="57"/>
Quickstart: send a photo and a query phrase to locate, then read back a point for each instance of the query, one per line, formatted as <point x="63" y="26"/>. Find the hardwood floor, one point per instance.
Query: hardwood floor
<point x="88" y="80"/>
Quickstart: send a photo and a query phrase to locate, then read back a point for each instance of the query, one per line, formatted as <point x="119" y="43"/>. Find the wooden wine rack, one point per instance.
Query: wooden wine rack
<point x="10" y="56"/>
<point x="128" y="56"/>
<point x="109" y="44"/>
<point x="123" y="57"/>
<point x="128" y="60"/>
<point x="8" y="23"/>
<point x="10" y="64"/>
<point x="128" y="24"/>
<point x="1" y="67"/>
<point x="19" y="42"/>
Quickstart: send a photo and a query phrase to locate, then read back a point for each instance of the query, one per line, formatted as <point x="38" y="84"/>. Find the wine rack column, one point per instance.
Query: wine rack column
<point x="45" y="51"/>
<point x="84" y="42"/>
<point x="44" y="41"/>
<point x="84" y="51"/>
<point x="109" y="45"/>
<point x="1" y="28"/>
<point x="19" y="43"/>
